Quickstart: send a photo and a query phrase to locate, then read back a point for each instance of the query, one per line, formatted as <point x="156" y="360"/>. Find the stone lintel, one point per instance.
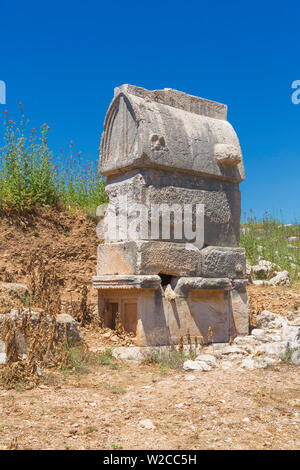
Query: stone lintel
<point x="183" y="284"/>
<point x="186" y="284"/>
<point x="126" y="282"/>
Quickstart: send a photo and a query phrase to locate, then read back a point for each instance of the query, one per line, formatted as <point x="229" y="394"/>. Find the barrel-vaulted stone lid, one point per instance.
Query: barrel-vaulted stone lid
<point x="170" y="130"/>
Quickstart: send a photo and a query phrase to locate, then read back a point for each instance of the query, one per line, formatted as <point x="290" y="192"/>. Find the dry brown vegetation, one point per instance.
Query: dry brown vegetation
<point x="40" y="338"/>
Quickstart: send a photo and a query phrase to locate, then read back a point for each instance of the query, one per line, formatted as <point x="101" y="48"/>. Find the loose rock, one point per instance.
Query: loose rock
<point x="295" y="357"/>
<point x="2" y="358"/>
<point x="257" y="363"/>
<point x="147" y="424"/>
<point x="65" y="324"/>
<point x="196" y="365"/>
<point x="281" y="279"/>
<point x="232" y="350"/>
<point x="14" y="289"/>
<point x="208" y="359"/>
<point x="291" y="336"/>
<point x="265" y="318"/>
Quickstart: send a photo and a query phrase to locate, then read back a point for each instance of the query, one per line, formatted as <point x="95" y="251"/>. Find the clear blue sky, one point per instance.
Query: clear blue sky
<point x="63" y="59"/>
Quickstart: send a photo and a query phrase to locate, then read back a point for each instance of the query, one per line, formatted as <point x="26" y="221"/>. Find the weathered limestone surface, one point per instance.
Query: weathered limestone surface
<point x="239" y="308"/>
<point x="148" y="257"/>
<point x="178" y="99"/>
<point x="184" y="285"/>
<point x="127" y="282"/>
<point x="221" y="199"/>
<point x="176" y="259"/>
<point x="219" y="261"/>
<point x="200" y="306"/>
<point x="166" y="129"/>
<point x="167" y="147"/>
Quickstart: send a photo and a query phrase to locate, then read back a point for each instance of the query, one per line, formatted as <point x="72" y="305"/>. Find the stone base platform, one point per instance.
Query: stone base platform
<point x="158" y="310"/>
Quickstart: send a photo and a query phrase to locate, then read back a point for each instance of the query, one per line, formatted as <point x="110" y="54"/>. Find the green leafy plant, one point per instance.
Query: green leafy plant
<point x="79" y="358"/>
<point x="271" y="239"/>
<point x="116" y="447"/>
<point x="287" y="355"/>
<point x="31" y="176"/>
<point x="115" y="389"/>
<point x="106" y="359"/>
<point x="170" y="359"/>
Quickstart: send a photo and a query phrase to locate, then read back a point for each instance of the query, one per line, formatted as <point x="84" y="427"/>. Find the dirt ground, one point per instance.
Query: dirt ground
<point x="102" y="409"/>
<point x="276" y="299"/>
<point x="101" y="406"/>
<point x="60" y="240"/>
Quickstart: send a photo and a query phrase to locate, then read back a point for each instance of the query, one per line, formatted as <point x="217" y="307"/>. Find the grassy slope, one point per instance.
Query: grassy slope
<point x="272" y="240"/>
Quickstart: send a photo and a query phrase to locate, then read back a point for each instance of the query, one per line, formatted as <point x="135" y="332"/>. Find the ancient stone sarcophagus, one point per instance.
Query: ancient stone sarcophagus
<point x="169" y="261"/>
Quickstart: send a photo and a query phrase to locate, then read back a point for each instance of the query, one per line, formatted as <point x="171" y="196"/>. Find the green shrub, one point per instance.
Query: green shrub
<point x="30" y="176"/>
<point x="171" y="358"/>
<point x="287" y="355"/>
<point x="115" y="389"/>
<point x="273" y="238"/>
<point x="79" y="358"/>
<point x="106" y="359"/>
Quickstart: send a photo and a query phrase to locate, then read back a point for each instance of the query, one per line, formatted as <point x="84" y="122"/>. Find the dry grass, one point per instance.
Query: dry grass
<point x="45" y="347"/>
<point x="40" y="337"/>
